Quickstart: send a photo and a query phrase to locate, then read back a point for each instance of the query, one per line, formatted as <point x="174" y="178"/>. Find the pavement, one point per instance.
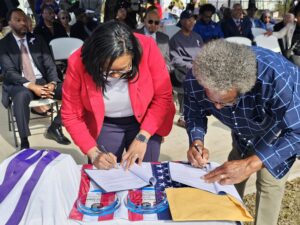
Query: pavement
<point x="218" y="141"/>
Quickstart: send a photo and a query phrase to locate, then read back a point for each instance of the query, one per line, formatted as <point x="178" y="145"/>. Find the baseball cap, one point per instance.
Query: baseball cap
<point x="186" y="14"/>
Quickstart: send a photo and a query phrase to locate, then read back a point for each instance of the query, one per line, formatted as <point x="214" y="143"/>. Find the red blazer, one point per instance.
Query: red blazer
<point x="151" y="97"/>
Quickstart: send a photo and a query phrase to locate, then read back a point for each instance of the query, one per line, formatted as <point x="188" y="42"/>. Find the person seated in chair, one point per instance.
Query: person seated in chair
<point x="151" y="27"/>
<point x="49" y="29"/>
<point x="237" y="25"/>
<point x="184" y="47"/>
<point x="29" y="73"/>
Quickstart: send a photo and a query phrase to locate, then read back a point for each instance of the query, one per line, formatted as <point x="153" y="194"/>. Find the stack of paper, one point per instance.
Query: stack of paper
<point x="117" y="179"/>
<point x="191" y="176"/>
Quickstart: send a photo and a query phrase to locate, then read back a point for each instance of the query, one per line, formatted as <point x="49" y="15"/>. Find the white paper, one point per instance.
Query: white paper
<point x="117" y="179"/>
<point x="191" y="176"/>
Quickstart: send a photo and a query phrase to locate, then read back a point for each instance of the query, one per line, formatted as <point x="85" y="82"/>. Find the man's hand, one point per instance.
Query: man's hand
<point x="198" y="159"/>
<point x="234" y="172"/>
<point x="48" y="90"/>
<point x="36" y="89"/>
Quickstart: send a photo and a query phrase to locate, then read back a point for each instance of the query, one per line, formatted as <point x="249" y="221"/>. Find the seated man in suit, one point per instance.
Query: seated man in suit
<point x="237" y="25"/>
<point x="29" y="73"/>
<point x="152" y="22"/>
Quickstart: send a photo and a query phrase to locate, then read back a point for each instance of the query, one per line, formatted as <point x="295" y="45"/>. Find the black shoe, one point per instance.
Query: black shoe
<point x="24" y="143"/>
<point x="56" y="134"/>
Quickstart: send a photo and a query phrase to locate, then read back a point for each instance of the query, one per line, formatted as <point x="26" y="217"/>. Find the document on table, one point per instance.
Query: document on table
<point x="191" y="176"/>
<point x="117" y="179"/>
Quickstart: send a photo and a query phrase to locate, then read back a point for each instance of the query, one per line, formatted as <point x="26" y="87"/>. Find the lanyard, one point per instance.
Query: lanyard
<point x="15" y="170"/>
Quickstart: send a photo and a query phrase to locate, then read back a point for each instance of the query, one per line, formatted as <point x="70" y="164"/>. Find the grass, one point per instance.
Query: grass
<point x="290" y="207"/>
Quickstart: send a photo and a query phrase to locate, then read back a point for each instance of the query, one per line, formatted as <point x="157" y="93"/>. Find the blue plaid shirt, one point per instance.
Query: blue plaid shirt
<point x="265" y="120"/>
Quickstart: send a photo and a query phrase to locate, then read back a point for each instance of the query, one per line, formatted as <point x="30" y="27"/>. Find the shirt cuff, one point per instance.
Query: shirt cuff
<point x="272" y="161"/>
<point x="196" y="134"/>
<point x="26" y="84"/>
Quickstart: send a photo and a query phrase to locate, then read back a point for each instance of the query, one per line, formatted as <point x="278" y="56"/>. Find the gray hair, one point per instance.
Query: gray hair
<point x="222" y="66"/>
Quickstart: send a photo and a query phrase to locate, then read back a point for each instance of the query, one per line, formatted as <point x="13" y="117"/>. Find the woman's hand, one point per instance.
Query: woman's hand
<point x="136" y="151"/>
<point x="101" y="160"/>
<point x="198" y="158"/>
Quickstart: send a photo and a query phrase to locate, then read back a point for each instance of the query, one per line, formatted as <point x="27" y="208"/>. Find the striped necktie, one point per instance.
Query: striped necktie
<point x="239" y="25"/>
<point x="26" y="63"/>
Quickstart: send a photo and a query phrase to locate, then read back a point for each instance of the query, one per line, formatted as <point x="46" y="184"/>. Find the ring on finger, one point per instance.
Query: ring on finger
<point x="222" y="176"/>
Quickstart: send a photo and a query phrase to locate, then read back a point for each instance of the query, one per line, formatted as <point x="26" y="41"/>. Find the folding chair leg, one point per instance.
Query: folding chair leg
<point x="9" y="118"/>
<point x="11" y="122"/>
<point x="51" y="107"/>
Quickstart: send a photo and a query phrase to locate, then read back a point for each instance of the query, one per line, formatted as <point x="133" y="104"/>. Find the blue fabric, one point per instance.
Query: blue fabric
<point x="208" y="31"/>
<point x="265" y="120"/>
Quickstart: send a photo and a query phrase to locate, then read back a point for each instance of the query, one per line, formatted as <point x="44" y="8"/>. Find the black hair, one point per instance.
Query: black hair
<point x="109" y="41"/>
<point x="296" y="9"/>
<point x="207" y="8"/>
<point x="9" y="14"/>
<point x="46" y="7"/>
<point x="150" y="9"/>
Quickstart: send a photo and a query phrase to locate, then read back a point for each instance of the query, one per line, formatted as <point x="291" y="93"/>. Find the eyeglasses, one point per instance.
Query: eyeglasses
<point x="120" y="73"/>
<point x="156" y="22"/>
<point x="224" y="104"/>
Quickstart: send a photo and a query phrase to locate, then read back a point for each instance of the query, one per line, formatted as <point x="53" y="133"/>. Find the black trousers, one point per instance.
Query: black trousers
<point x="21" y="97"/>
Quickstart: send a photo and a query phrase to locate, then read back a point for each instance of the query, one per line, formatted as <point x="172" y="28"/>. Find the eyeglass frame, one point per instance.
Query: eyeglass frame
<point x="227" y="104"/>
<point x="121" y="73"/>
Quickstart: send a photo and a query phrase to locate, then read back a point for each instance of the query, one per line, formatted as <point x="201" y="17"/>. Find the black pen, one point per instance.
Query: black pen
<point x="102" y="149"/>
<point x="198" y="149"/>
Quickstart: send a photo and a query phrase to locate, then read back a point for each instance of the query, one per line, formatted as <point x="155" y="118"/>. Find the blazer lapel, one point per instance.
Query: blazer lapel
<point x="14" y="50"/>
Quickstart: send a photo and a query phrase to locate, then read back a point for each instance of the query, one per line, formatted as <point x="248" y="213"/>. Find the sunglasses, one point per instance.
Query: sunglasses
<point x="156" y="22"/>
<point x="120" y="73"/>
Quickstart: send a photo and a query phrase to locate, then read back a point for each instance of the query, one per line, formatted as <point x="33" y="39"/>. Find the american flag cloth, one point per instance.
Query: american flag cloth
<point x="160" y="171"/>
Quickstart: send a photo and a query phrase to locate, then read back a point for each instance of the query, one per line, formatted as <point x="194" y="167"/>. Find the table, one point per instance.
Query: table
<point x="54" y="196"/>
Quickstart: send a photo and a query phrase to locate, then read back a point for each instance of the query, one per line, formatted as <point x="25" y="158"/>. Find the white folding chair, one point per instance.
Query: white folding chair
<point x="268" y="42"/>
<point x="257" y="31"/>
<point x="170" y="30"/>
<point x="34" y="103"/>
<point x="62" y="48"/>
<point x="239" y="40"/>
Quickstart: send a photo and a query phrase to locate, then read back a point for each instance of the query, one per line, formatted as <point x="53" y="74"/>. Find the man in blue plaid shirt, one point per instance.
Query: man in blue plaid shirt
<point x="256" y="93"/>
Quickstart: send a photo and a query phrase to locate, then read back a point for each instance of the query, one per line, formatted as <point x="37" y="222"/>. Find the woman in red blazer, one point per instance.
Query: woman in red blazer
<point x="117" y="95"/>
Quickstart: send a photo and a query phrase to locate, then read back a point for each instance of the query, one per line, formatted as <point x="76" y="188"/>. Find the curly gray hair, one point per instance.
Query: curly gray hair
<point x="222" y="66"/>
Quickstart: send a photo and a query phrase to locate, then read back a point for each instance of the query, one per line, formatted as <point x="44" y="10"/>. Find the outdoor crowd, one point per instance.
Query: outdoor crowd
<point x="117" y="90"/>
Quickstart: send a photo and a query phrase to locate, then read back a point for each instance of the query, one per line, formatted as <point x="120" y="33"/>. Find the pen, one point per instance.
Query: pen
<point x="198" y="149"/>
<point x="102" y="149"/>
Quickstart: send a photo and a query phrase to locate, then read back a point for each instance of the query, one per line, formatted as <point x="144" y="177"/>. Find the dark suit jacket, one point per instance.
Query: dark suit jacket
<point x="10" y="61"/>
<point x="230" y="29"/>
<point x="162" y="40"/>
<point x="42" y="30"/>
<point x="77" y="31"/>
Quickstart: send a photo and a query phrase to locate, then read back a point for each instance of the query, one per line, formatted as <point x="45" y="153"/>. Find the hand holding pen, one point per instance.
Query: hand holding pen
<point x="103" y="159"/>
<point x="197" y="154"/>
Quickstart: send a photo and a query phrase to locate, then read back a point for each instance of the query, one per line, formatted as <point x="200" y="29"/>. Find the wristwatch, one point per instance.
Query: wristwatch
<point x="141" y="138"/>
<point x="54" y="83"/>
